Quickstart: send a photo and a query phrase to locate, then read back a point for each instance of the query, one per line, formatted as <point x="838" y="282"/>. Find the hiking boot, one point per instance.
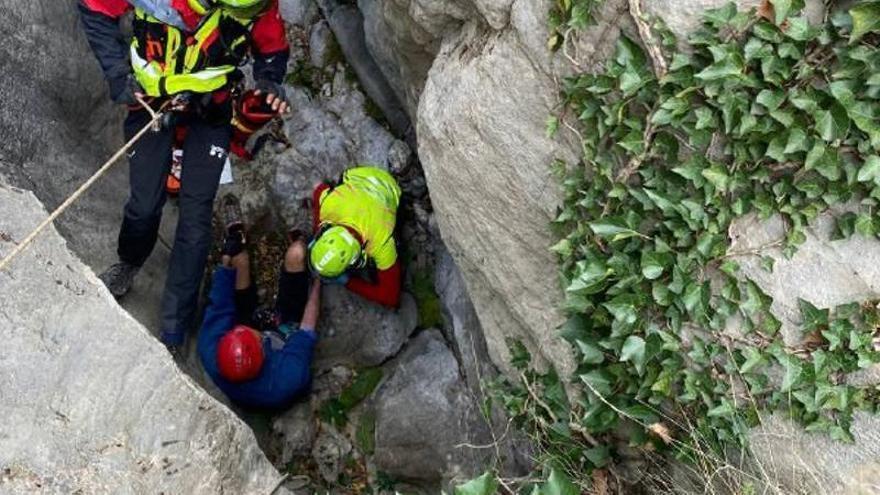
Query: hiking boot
<point x="235" y="239"/>
<point x="119" y="278"/>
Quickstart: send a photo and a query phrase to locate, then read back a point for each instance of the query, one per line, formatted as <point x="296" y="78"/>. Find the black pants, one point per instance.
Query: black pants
<point x="293" y="294"/>
<point x="204" y="154"/>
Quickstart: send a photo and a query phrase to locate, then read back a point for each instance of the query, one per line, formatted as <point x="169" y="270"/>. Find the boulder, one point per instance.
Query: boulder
<point x="90" y="401"/>
<point x="402" y="48"/>
<point x="481" y="82"/>
<point x="359" y="333"/>
<point x="426" y="422"/>
<point x="487" y="162"/>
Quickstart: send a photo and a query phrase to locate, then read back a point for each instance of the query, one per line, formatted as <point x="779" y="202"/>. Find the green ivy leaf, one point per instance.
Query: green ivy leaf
<point x="770" y="98"/>
<point x="783" y="8"/>
<point x="813" y="317"/>
<point x="865" y="19"/>
<point x="865" y="225"/>
<point x="755" y="301"/>
<point x="624" y="308"/>
<point x="717" y="176"/>
<point x="590" y="353"/>
<point x="754" y="358"/>
<point x="870" y="170"/>
<point x="559" y="484"/>
<point x="484" y="485"/>
<point x="845" y="226"/>
<point x="633" y="351"/>
<point x="612" y="231"/>
<point x="598" y="456"/>
<point x="654" y="263"/>
<point x="723" y="410"/>
<point x="720" y="70"/>
<point x="793" y="373"/>
<point x="832" y="124"/>
<point x="599" y="380"/>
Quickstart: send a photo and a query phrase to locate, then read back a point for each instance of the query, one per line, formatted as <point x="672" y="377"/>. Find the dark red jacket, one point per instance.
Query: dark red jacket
<point x="386" y="290"/>
<point x="100" y="19"/>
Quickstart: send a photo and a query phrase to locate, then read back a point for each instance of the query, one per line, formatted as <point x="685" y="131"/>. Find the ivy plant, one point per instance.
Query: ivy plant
<point x="766" y="115"/>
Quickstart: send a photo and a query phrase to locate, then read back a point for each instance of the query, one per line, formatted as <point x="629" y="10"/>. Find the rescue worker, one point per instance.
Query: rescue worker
<point x="354" y="223"/>
<point x="191" y="47"/>
<point x="260" y="363"/>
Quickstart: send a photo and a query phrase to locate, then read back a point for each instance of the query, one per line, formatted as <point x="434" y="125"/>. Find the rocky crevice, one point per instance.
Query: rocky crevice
<point x="429" y="377"/>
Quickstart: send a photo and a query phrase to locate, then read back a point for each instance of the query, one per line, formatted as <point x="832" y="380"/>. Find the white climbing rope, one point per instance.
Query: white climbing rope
<point x="155" y="117"/>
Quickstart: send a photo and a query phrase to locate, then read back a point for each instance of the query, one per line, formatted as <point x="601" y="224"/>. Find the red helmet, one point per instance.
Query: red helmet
<point x="240" y="354"/>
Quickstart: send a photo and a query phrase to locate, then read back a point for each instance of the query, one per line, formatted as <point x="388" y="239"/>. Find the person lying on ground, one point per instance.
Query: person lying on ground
<point x="257" y="369"/>
<point x="354" y="221"/>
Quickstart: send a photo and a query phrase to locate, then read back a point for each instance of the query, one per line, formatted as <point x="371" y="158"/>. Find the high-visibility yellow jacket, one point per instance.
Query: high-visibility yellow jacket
<point x="366" y="201"/>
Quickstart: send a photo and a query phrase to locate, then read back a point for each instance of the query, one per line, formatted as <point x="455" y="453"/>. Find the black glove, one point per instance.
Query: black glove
<point x="122" y="90"/>
<point x="268" y="87"/>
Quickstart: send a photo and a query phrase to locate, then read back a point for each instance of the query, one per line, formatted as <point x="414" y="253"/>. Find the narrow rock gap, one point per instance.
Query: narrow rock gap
<point x="334" y="125"/>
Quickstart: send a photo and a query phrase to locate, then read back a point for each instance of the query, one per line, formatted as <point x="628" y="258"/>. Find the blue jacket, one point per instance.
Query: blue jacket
<point x="286" y="372"/>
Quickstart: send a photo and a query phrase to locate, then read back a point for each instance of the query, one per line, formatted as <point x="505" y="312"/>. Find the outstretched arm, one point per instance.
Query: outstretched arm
<point x="313" y="307"/>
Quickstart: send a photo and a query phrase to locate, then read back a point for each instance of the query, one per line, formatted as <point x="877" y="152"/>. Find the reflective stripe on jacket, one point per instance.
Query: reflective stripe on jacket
<point x="366" y="201"/>
<point x="266" y="35"/>
<point x="167" y="60"/>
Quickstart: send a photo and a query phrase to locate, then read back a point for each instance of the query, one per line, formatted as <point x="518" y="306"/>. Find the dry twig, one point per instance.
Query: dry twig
<point x="648" y="39"/>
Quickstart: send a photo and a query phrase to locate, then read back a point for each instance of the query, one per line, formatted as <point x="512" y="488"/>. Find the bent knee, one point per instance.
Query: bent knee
<point x="295" y="257"/>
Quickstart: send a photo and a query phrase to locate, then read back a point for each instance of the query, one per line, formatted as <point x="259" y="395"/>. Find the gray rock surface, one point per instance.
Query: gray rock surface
<point x="300" y="12"/>
<point x="347" y="24"/>
<point x="330" y="451"/>
<point x="59" y="127"/>
<point x="827" y="273"/>
<point x="403" y="49"/>
<point x="486" y="158"/>
<point x="684" y="17"/>
<point x="481" y="83"/>
<point x="463" y="327"/>
<point x="424" y="414"/>
<point x="801" y="463"/>
<point x="358" y="333"/>
<point x="90" y="402"/>
<point x="321" y="43"/>
<point x="294" y="432"/>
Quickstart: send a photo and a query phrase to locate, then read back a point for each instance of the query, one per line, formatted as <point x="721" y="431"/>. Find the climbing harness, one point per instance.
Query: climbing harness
<point x="155" y="119"/>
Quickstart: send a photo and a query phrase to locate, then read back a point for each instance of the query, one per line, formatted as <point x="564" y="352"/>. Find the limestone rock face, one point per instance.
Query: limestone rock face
<point x="424" y="414"/>
<point x="486" y="159"/>
<point x="684" y="17"/>
<point x="90" y="401"/>
<point x="827" y="273"/>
